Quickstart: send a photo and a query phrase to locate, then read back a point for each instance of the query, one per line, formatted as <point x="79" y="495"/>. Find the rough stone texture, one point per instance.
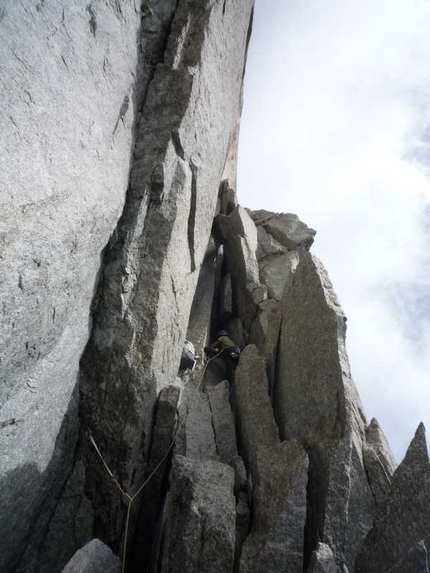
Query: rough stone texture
<point x="203" y="516"/>
<point x="415" y="561"/>
<point x="243" y="521"/>
<point x="67" y="73"/>
<point x="198" y="330"/>
<point x="316" y="402"/>
<point x="187" y="126"/>
<point x="275" y="544"/>
<point x="403" y="519"/>
<point x="240" y="476"/>
<point x="70" y="527"/>
<point x="153" y="494"/>
<point x="240" y="252"/>
<point x="378" y="460"/>
<point x="223" y="421"/>
<point x="285" y="228"/>
<point x="274" y="273"/>
<point x="322" y="560"/>
<point x="254" y="415"/>
<point x="94" y="557"/>
<point x="199" y="439"/>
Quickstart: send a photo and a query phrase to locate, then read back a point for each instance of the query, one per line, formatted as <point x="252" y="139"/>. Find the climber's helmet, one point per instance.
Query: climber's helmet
<point x="222" y="333"/>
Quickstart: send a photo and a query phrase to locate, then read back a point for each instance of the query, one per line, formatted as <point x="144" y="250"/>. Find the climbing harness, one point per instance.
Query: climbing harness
<point x="126" y="497"/>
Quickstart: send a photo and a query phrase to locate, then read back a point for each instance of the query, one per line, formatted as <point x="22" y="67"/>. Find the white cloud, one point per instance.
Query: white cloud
<point x="336" y="128"/>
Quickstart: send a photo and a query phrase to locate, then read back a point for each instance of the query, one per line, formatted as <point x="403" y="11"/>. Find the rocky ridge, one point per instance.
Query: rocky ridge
<point x="270" y="465"/>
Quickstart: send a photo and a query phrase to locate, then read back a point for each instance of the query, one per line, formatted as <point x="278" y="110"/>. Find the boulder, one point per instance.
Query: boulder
<point x="401" y="530"/>
<point x="275" y="543"/>
<point x="316" y="403"/>
<point x="202" y="518"/>
<point x="223" y="421"/>
<point x="378" y="460"/>
<point x="285" y="228"/>
<point x="94" y="557"/>
<point x="322" y="560"/>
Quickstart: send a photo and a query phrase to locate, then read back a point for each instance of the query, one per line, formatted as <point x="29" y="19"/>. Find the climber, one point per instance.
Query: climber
<point x="224" y="346"/>
<point x="188" y="356"/>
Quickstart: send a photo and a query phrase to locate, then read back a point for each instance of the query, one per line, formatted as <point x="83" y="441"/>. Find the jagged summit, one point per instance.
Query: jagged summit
<point x="121" y="239"/>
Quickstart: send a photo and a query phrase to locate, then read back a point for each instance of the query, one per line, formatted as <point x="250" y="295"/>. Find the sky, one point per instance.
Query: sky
<point x="336" y="128"/>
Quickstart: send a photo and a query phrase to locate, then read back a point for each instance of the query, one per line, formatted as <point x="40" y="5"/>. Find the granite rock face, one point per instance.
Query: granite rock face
<point x="120" y="238"/>
<point x="151" y="267"/>
<point x="401" y="532"/>
<point x="203" y="516"/>
<point x="316" y="403"/>
<point x="69" y="99"/>
<point x="254" y="414"/>
<point x="378" y="460"/>
<point x="275" y="544"/>
<point x="94" y="557"/>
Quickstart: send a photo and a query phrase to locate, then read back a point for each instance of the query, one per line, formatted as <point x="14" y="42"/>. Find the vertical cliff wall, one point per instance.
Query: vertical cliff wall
<point x="120" y="238"/>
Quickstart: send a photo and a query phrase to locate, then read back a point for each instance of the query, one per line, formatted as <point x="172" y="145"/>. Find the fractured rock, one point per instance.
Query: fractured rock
<point x="316" y="403"/>
<point x="275" y="544"/>
<point x="223" y="421"/>
<point x="275" y="272"/>
<point x="240" y="252"/>
<point x="403" y="519"/>
<point x="286" y="228"/>
<point x="202" y="518"/>
<point x="186" y="128"/>
<point x="379" y="461"/>
<point x="94" y="557"/>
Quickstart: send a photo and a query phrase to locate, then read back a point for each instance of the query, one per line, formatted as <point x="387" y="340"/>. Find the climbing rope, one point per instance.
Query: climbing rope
<point x="126" y="497"/>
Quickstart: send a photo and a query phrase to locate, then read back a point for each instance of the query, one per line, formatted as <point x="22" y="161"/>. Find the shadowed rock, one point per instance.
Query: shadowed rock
<point x="401" y="531"/>
<point x="223" y="421"/>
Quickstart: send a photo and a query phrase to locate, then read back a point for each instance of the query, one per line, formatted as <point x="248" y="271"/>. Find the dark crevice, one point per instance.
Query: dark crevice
<point x="192" y="216"/>
<point x="224" y="7"/>
<point x="109" y="513"/>
<point x="93" y="20"/>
